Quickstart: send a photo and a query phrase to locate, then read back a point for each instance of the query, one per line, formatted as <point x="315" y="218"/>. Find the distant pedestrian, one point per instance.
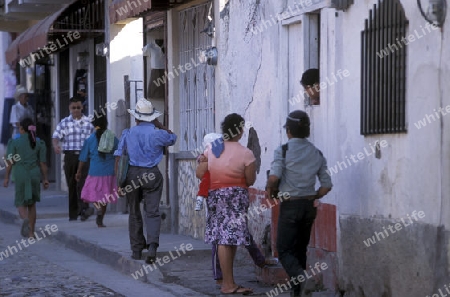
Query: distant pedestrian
<point x="100" y="184"/>
<point x="20" y="110"/>
<point x="232" y="169"/>
<point x="297" y="164"/>
<point x="145" y="143"/>
<point x="72" y="131"/>
<point x="25" y="153"/>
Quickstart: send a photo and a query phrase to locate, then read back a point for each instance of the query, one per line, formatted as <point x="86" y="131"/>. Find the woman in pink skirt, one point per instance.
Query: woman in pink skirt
<point x="100" y="184"/>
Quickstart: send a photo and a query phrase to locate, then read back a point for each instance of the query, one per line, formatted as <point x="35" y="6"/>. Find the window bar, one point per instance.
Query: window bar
<point x="370" y="77"/>
<point x="363" y="81"/>
<point x="391" y="66"/>
<point x="378" y="32"/>
<point x="402" y="73"/>
<point x="397" y="71"/>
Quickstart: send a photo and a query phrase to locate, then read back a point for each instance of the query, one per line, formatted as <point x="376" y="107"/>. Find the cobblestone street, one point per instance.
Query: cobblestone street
<point x="48" y="269"/>
<point x="26" y="274"/>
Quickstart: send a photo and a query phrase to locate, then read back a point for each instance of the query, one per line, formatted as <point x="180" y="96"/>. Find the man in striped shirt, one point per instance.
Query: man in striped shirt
<point x="68" y="138"/>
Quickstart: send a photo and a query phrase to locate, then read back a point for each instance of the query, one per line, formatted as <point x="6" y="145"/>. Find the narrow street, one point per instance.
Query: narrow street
<point x="46" y="268"/>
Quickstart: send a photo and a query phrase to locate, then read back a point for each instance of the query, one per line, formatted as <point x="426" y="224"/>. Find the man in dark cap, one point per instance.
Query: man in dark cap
<point x="293" y="171"/>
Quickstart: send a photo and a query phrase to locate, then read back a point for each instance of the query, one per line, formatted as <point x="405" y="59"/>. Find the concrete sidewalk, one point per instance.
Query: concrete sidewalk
<point x="190" y="269"/>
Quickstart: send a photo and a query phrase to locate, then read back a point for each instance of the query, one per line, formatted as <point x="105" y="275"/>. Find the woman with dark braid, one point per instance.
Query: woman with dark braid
<point x="100" y="185"/>
<point x="25" y="153"/>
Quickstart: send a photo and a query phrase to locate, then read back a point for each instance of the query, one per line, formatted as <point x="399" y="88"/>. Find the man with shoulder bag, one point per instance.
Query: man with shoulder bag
<point x="293" y="173"/>
<point x="145" y="144"/>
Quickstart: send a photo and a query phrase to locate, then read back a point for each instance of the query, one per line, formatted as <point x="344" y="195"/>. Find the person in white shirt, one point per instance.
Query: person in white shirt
<point x="20" y="110"/>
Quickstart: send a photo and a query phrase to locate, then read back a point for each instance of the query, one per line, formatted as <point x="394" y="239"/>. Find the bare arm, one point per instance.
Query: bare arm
<point x="201" y="169"/>
<point x="44" y="171"/>
<point x="80" y="168"/>
<point x="7" y="173"/>
<point x="56" y="146"/>
<point x="271" y="186"/>
<point x="322" y="192"/>
<point x="250" y="174"/>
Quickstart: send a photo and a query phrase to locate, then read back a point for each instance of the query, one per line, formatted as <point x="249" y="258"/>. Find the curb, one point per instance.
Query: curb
<point x="117" y="261"/>
<point x="7" y="217"/>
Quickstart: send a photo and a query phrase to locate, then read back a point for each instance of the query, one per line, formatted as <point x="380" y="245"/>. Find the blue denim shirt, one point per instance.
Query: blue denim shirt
<point x="299" y="169"/>
<point x="145" y="144"/>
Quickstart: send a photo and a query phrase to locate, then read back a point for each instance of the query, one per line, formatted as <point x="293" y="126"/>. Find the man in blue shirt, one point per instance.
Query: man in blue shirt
<point x="145" y="143"/>
<point x="293" y="172"/>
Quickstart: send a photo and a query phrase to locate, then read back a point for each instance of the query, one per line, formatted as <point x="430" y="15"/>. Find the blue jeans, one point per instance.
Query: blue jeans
<point x="294" y="230"/>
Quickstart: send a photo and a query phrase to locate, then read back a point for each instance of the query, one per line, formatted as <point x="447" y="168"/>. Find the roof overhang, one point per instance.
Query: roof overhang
<point x="120" y="10"/>
<point x="69" y="25"/>
<point x="18" y="15"/>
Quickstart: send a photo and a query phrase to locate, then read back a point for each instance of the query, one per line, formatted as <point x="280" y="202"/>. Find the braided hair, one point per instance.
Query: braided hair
<point x="101" y="124"/>
<point x="28" y="126"/>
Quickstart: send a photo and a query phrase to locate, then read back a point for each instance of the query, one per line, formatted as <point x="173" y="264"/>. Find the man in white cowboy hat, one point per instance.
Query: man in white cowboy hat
<point x="145" y="143"/>
<point x="21" y="109"/>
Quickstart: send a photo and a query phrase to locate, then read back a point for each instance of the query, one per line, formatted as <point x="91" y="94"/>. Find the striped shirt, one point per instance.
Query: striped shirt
<point x="72" y="133"/>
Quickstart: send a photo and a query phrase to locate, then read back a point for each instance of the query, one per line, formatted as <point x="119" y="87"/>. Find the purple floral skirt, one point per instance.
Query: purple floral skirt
<point x="226" y="223"/>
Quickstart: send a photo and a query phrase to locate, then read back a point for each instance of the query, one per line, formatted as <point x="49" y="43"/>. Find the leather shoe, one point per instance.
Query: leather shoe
<point x="151" y="253"/>
<point x="137" y="255"/>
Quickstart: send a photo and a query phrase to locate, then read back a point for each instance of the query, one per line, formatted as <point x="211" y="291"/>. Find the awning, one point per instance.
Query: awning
<point x="32" y="39"/>
<point x="120" y="10"/>
<point x="69" y="25"/>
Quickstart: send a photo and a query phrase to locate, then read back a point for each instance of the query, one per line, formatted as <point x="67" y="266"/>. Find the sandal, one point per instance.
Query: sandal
<point x="25" y="230"/>
<point x="238" y="290"/>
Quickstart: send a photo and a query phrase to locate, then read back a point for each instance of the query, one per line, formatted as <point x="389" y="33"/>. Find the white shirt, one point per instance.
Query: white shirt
<point x="18" y="113"/>
<point x="157" y="57"/>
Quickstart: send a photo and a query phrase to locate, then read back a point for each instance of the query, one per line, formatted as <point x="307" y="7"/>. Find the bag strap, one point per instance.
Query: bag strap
<point x="284" y="148"/>
<point x="124" y="148"/>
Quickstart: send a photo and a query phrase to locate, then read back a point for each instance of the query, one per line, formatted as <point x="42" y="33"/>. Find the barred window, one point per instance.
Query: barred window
<point x="383" y="69"/>
<point x="196" y="84"/>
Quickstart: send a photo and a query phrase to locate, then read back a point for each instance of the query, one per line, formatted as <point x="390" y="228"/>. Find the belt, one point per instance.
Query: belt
<point x="71" y="152"/>
<point x="293" y="198"/>
<point x="143" y="167"/>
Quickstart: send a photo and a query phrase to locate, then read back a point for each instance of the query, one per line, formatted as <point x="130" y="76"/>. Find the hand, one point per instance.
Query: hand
<point x="78" y="176"/>
<point x="57" y="149"/>
<point x="5" y="182"/>
<point x="202" y="158"/>
<point x="46" y="184"/>
<point x="270" y="193"/>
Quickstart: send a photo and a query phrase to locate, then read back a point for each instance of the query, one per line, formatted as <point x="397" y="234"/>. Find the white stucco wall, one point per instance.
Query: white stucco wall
<point x="250" y="80"/>
<point x="125" y="59"/>
<point x="408" y="175"/>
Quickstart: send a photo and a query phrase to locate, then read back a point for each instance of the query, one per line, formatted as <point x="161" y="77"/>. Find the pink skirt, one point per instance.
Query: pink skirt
<point x="99" y="189"/>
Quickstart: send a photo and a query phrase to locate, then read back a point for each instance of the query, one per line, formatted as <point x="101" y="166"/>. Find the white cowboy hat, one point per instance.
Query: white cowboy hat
<point x="144" y="111"/>
<point x="19" y="91"/>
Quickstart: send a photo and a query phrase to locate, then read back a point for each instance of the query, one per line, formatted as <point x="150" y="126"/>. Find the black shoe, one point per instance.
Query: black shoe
<point x="151" y="258"/>
<point x="72" y="219"/>
<point x="136" y="255"/>
<point x="86" y="213"/>
<point x="99" y="221"/>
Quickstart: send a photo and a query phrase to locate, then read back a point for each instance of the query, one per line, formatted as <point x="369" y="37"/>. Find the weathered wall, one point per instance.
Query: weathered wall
<point x="373" y="193"/>
<point x="410" y="175"/>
